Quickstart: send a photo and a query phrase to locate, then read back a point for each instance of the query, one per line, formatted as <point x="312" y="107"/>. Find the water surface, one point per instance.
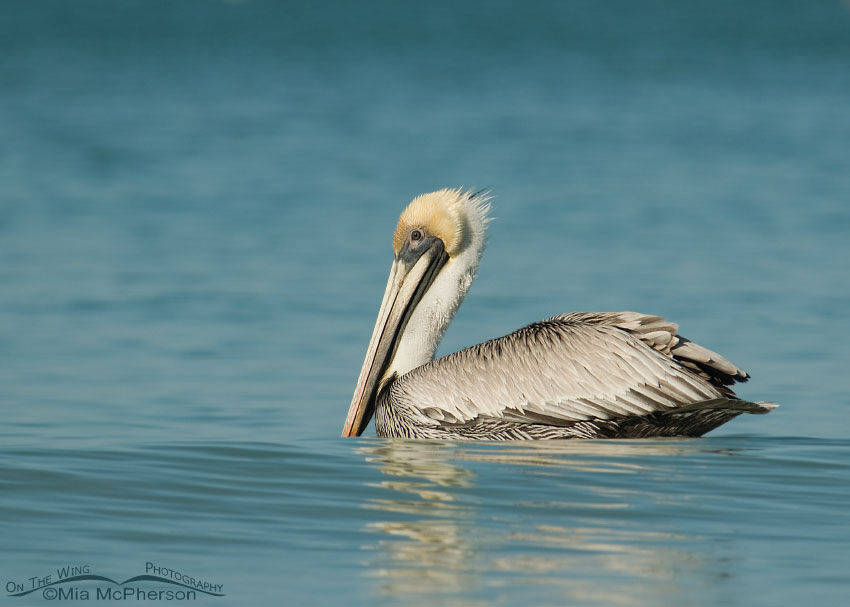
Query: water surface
<point x="196" y="206"/>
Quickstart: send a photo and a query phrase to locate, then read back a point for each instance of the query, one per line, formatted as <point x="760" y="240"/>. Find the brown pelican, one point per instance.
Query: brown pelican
<point x="579" y="375"/>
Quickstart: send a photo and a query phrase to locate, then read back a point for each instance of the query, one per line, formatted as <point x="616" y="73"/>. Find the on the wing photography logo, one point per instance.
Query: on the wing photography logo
<point x="80" y="583"/>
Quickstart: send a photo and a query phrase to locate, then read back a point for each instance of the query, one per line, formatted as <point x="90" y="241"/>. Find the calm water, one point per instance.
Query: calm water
<point x="196" y="204"/>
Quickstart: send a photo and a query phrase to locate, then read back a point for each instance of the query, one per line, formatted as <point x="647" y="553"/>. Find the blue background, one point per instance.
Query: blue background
<point x="196" y="205"/>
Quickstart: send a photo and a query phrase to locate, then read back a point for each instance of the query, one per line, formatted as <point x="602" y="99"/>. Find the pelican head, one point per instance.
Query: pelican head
<point x="437" y="246"/>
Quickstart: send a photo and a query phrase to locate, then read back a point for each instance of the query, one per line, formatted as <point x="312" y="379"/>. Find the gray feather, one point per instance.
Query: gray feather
<point x="579" y="374"/>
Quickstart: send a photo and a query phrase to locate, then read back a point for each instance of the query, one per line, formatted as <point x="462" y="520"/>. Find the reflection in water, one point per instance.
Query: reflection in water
<point x="551" y="520"/>
<point x="432" y="556"/>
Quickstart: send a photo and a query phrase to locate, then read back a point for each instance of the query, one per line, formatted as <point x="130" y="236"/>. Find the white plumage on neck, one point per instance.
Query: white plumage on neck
<point x="438" y="306"/>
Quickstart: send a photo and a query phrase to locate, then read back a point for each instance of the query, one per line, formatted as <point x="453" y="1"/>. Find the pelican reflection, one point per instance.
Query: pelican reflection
<point x="572" y="531"/>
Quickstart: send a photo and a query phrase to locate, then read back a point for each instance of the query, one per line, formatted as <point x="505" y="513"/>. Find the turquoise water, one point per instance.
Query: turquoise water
<point x="196" y="206"/>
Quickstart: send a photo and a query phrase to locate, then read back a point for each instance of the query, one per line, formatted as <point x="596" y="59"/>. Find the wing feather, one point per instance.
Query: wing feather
<point x="569" y="368"/>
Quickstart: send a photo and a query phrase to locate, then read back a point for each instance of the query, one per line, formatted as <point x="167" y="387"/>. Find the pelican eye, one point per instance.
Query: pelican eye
<point x="417" y="235"/>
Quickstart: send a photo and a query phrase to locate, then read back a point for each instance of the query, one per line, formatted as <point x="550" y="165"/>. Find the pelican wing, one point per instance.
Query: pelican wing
<point x="569" y="368"/>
